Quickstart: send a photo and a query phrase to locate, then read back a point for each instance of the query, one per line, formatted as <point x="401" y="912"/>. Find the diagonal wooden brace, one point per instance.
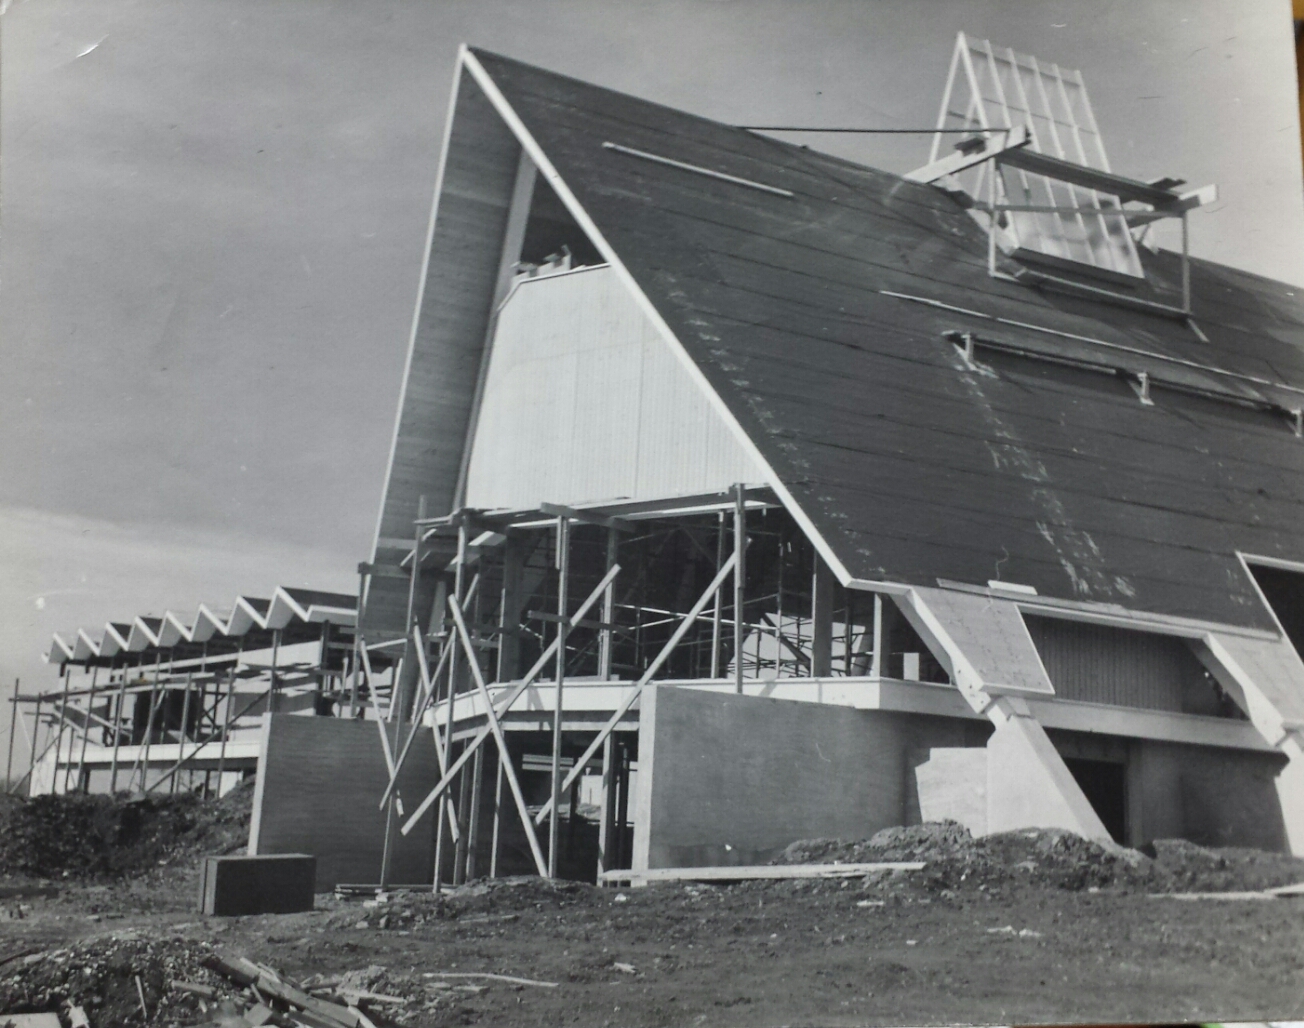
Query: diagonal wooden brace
<point x="513" y="695"/>
<point x="428" y="688"/>
<point x="504" y="755"/>
<point x="688" y="620"/>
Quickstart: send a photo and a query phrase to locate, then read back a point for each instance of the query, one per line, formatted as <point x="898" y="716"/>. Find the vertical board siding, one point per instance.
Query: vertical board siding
<point x="1096" y="664"/>
<point x="585" y="401"/>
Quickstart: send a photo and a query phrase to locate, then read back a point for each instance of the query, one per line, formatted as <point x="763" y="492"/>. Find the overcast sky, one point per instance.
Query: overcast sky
<point x="213" y="214"/>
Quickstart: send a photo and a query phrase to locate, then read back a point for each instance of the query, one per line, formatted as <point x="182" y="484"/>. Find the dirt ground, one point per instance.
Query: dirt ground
<point x="1004" y="931"/>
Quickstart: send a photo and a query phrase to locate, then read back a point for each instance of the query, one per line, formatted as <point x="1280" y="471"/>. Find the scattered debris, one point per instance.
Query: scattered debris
<point x="140" y="991"/>
<point x="500" y="977"/>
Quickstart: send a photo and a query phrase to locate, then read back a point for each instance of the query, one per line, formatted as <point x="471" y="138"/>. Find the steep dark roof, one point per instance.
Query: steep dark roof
<point x="913" y="466"/>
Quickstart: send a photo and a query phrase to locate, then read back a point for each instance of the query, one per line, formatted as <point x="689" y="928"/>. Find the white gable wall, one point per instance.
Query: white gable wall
<point x="584" y="401"/>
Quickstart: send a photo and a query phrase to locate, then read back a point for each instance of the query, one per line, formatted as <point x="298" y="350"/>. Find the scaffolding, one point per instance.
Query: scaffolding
<point x="171" y="703"/>
<point x="545" y="627"/>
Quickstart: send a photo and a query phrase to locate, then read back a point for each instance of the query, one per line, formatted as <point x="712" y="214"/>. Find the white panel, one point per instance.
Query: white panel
<point x="584" y="401"/>
<point x="990" y="635"/>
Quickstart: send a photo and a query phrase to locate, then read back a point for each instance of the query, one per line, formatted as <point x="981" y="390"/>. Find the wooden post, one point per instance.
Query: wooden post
<point x="821" y="614"/>
<point x="181" y="735"/>
<point x="459" y="575"/>
<point x="149" y="726"/>
<point x="509" y="613"/>
<point x="606" y="639"/>
<point x="740" y="579"/>
<point x="463" y="827"/>
<point x="82" y="780"/>
<point x="117" y="728"/>
<point x="878" y="667"/>
<point x="358" y="641"/>
<point x="323" y="661"/>
<point x="622" y="804"/>
<point x="473" y="830"/>
<point x="720" y="599"/>
<point x="563" y="571"/>
<point x="58" y="741"/>
<point x="226" y="717"/>
<point x="607" y="815"/>
<point x="399" y="694"/>
<point x="498" y="806"/>
<point x="13" y="728"/>
<point x="386" y="853"/>
<point x="274" y="696"/>
<point x="36" y="734"/>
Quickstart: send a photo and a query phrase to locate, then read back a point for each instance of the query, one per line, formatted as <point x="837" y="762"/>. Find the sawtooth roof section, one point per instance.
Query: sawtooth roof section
<point x="913" y="466"/>
<point x="295" y="609"/>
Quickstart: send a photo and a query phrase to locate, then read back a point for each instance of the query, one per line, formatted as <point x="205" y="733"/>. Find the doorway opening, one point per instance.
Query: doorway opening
<point x="1104" y="783"/>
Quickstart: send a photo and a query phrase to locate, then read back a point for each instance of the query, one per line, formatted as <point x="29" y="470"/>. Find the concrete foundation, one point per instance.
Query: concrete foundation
<point x="728" y="779"/>
<point x="319" y="780"/>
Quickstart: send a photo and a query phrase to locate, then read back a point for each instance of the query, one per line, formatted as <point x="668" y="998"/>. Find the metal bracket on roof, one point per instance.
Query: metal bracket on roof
<point x="1140" y="383"/>
<point x="971" y="151"/>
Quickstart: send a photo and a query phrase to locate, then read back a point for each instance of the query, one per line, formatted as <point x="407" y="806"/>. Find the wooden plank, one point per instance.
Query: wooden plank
<point x="758" y="872"/>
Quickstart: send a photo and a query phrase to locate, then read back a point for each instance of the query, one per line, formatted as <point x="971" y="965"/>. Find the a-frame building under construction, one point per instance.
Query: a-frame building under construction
<point x="741" y="494"/>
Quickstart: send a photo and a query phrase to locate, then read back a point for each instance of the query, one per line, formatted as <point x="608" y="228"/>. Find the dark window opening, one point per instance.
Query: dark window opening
<point x="1284" y="591"/>
<point x="1104" y="783"/>
<point x="551" y="233"/>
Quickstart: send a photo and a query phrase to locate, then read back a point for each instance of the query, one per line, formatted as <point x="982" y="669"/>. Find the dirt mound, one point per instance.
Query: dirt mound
<point x="100" y="976"/>
<point x="122" y="836"/>
<point x="1051" y="857"/>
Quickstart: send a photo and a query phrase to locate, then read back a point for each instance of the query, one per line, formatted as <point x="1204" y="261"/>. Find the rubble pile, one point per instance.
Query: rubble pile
<point x="105" y="837"/>
<point x="1049" y="857"/>
<point x="109" y="978"/>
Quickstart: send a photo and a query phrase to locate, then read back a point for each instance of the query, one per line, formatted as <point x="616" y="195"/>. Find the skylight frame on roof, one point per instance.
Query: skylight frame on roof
<point x="1081" y="191"/>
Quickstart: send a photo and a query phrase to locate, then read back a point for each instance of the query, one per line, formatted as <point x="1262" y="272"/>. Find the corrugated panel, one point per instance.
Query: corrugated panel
<point x="1096" y="664"/>
<point x="585" y="401"/>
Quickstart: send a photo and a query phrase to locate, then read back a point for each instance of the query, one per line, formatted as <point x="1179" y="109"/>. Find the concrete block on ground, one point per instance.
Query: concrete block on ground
<point x="952" y="785"/>
<point x="281" y="884"/>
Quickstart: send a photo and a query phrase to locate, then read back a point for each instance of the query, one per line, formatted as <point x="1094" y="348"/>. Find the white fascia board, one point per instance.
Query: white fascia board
<point x="86" y="646"/>
<point x="141" y="637"/>
<point x="462" y="54"/>
<point x="172" y="630"/>
<point x="283" y="609"/>
<point x="531" y="146"/>
<point x="244" y="617"/>
<point x="111" y="643"/>
<point x="207" y="624"/>
<point x="1109" y="615"/>
<point x="59" y="651"/>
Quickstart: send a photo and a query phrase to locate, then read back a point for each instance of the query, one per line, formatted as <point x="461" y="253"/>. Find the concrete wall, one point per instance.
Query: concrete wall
<point x="1211" y="796"/>
<point x="319" y="780"/>
<point x="727" y="780"/>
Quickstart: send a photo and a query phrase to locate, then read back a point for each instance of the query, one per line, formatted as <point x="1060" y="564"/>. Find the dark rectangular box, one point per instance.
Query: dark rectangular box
<point x="279" y="884"/>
